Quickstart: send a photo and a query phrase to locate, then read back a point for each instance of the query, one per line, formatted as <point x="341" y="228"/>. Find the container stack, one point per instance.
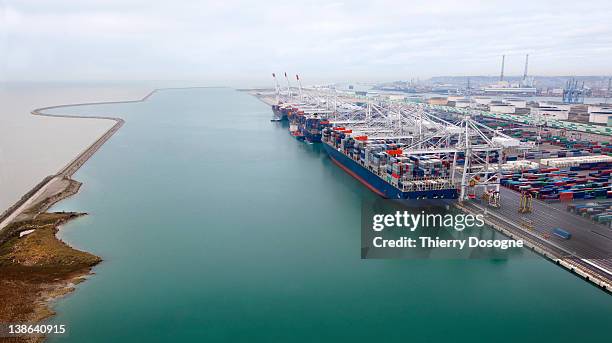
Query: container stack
<point x="599" y="212"/>
<point x="374" y="157"/>
<point x="518" y="165"/>
<point x="390" y="161"/>
<point x="400" y="169"/>
<point x="583" y="162"/>
<point x="563" y="185"/>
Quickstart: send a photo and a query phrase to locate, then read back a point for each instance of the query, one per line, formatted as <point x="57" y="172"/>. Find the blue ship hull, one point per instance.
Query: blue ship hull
<point x="380" y="186"/>
<point x="312" y="138"/>
<point x="279" y="113"/>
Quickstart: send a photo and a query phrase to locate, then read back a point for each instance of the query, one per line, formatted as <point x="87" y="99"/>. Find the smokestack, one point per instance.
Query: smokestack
<point x="501" y="77"/>
<point x="526" y="65"/>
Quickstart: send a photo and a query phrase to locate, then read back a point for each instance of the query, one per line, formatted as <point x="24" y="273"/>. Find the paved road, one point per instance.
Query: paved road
<point x="589" y="240"/>
<point x="27" y="203"/>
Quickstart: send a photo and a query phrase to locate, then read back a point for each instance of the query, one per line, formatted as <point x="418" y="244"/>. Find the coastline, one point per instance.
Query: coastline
<point x="34" y="147"/>
<point x="61" y="267"/>
<point x="38" y="267"/>
<point x="67" y="171"/>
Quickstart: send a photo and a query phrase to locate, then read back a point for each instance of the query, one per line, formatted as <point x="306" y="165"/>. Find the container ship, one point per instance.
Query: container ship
<point x="277" y="113"/>
<point x="425" y="155"/>
<point x="386" y="169"/>
<point x="281" y="111"/>
<point x="307" y="124"/>
<point x="312" y="128"/>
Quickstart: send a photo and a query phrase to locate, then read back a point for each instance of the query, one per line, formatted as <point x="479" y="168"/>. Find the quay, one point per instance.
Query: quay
<point x="586" y="254"/>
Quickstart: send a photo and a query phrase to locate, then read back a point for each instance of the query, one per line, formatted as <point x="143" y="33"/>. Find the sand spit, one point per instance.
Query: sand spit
<point x="34" y="147"/>
<point x="38" y="191"/>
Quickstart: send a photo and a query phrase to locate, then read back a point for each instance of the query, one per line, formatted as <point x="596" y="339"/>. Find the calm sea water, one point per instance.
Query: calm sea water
<point x="216" y="226"/>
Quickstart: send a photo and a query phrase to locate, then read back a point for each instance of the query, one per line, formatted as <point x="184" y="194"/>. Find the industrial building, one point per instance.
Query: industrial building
<point x="550" y="112"/>
<point x="482" y="100"/>
<point x="600" y="117"/>
<point x="438" y="100"/>
<point x="504" y="87"/>
<point x="501" y="108"/>
<point x="516" y="102"/>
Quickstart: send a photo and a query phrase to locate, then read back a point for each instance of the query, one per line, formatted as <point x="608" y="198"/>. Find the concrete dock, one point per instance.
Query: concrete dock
<point x="588" y="253"/>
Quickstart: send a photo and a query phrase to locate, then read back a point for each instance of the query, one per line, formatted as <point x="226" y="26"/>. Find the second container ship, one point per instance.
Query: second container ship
<point x="386" y="169"/>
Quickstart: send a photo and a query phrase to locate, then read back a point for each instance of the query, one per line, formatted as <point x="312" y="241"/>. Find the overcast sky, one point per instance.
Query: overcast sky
<point x="242" y="42"/>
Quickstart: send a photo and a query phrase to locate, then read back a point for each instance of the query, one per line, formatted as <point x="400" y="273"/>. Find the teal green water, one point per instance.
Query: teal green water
<point x="216" y="226"/>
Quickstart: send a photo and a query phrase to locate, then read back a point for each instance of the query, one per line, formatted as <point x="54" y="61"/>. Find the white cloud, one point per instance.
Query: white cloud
<point x="243" y="41"/>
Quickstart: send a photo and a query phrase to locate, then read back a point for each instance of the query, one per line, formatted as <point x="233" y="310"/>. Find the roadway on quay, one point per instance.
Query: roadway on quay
<point x="590" y="241"/>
